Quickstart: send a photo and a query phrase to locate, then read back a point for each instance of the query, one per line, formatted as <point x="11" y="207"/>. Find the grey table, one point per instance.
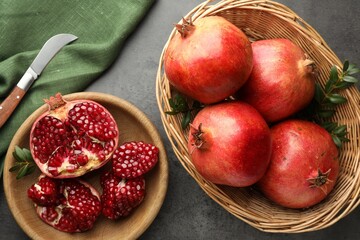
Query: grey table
<point x="188" y="213"/>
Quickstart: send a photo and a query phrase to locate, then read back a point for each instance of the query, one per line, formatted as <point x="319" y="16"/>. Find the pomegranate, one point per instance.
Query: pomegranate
<point x="133" y="159"/>
<point x="45" y="192"/>
<point x="282" y="80"/>
<point x="121" y="196"/>
<point x="304" y="164"/>
<point x="230" y="144"/>
<point x="73" y="137"/>
<point x="75" y="209"/>
<point x="208" y="60"/>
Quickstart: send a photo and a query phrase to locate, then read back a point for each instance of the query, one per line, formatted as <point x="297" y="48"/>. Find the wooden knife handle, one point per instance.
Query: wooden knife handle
<point x="10" y="103"/>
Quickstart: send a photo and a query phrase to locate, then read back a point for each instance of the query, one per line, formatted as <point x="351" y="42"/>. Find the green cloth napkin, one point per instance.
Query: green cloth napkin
<point x="101" y="28"/>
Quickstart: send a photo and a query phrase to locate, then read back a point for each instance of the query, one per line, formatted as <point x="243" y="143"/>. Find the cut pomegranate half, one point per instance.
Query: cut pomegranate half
<point x="73" y="138"/>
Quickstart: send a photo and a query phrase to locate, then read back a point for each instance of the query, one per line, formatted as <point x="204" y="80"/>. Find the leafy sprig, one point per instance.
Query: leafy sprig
<point x="327" y="99"/>
<point x="179" y="105"/>
<point x="24" y="163"/>
<point x="337" y="132"/>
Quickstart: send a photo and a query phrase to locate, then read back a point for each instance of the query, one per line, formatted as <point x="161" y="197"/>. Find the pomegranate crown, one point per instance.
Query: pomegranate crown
<point x="309" y="64"/>
<point x="197" y="134"/>
<point x="186" y="27"/>
<point x="55" y="101"/>
<point x="321" y="180"/>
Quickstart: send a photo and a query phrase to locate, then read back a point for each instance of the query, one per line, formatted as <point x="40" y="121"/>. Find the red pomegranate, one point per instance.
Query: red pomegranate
<point x="230" y="144"/>
<point x="133" y="159"/>
<point x="120" y="196"/>
<point x="208" y="60"/>
<point x="68" y="205"/>
<point x="73" y="137"/>
<point x="304" y="164"/>
<point x="282" y="80"/>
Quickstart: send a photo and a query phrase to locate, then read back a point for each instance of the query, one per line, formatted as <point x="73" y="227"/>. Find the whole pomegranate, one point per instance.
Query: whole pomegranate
<point x="230" y="144"/>
<point x="304" y="164"/>
<point x="282" y="80"/>
<point x="73" y="137"/>
<point x="68" y="205"/>
<point x="208" y="60"/>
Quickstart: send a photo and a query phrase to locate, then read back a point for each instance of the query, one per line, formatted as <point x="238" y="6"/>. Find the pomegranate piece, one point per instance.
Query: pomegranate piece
<point x="76" y="209"/>
<point x="45" y="192"/>
<point x="73" y="137"/>
<point x="120" y="196"/>
<point x="133" y="159"/>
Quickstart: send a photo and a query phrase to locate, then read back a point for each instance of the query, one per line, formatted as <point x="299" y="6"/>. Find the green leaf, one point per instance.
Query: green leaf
<point x="19" y="154"/>
<point x="171" y="103"/>
<point x="342" y="135"/>
<point x="345" y="66"/>
<point x="337" y="98"/>
<point x="328" y="104"/>
<point x="180" y="105"/>
<point x="326" y="113"/>
<point x="343" y="85"/>
<point x="340" y="129"/>
<point x="328" y="86"/>
<point x="27" y="154"/>
<point x="31" y="169"/>
<point x="186" y="120"/>
<point x="319" y="94"/>
<point x="24" y="162"/>
<point x="352" y="69"/>
<point x="334" y="76"/>
<point x="329" y="126"/>
<point x="337" y="141"/>
<point x="15" y="168"/>
<point x="350" y="79"/>
<point x="344" y="139"/>
<point x="22" y="172"/>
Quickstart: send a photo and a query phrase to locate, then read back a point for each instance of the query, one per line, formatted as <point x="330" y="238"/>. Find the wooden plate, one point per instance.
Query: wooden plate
<point x="133" y="126"/>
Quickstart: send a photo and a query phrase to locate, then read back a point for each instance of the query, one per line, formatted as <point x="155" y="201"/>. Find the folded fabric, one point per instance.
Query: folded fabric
<point x="101" y="28"/>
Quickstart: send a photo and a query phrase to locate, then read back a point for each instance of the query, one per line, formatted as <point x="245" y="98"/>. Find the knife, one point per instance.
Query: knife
<point x="46" y="53"/>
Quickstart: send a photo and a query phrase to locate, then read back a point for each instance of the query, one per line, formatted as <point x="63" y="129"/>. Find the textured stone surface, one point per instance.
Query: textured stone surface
<point x="188" y="213"/>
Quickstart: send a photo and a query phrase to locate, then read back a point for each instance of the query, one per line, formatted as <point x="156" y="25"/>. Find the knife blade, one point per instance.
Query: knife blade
<point x="46" y="53"/>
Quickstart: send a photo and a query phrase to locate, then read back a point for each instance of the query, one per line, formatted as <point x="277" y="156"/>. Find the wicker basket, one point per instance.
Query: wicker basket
<point x="263" y="19"/>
